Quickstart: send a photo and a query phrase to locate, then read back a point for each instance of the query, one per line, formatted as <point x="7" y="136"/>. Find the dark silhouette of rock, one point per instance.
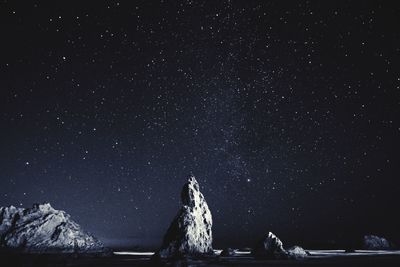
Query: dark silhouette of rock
<point x="44" y="229"/>
<point x="271" y="247"/>
<point x="228" y="252"/>
<point x="190" y="232"/>
<point x="374" y="242"/>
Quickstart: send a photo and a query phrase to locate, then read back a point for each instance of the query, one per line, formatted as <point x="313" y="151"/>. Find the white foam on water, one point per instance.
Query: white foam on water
<point x="133" y="253"/>
<point x="343" y="253"/>
<point x="313" y="253"/>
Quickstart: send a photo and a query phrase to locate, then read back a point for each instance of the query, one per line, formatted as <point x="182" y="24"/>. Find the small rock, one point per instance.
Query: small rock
<point x="374" y="242"/>
<point x="228" y="252"/>
<point x="296" y="253"/>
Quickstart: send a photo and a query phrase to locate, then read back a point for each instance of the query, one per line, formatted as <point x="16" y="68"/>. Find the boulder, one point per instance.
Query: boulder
<point x="296" y="253"/>
<point x="190" y="232"/>
<point x="270" y="247"/>
<point x="44" y="229"/>
<point x="374" y="242"/>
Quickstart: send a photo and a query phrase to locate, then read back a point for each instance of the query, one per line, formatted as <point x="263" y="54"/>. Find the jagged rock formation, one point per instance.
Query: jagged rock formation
<point x="190" y="232"/>
<point x="271" y="247"/>
<point x="374" y="242"/>
<point x="43" y="229"/>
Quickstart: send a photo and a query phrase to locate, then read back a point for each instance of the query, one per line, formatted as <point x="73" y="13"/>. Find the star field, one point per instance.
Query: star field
<point x="286" y="113"/>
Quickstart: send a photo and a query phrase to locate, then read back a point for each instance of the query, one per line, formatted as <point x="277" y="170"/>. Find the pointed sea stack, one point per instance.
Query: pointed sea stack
<point x="189" y="234"/>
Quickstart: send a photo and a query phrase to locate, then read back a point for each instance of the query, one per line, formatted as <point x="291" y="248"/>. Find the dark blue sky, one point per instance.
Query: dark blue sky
<point x="286" y="113"/>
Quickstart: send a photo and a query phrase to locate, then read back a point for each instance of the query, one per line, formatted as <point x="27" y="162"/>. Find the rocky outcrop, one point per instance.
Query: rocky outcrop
<point x="43" y="229"/>
<point x="271" y="247"/>
<point x="374" y="242"/>
<point x="190" y="232"/>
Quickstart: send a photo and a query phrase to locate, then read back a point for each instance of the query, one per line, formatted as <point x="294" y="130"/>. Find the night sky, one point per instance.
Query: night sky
<point x="286" y="112"/>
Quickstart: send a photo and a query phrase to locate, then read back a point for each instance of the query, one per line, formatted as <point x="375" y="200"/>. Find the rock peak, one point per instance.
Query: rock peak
<point x="191" y="195"/>
<point x="42" y="207"/>
<point x="192" y="179"/>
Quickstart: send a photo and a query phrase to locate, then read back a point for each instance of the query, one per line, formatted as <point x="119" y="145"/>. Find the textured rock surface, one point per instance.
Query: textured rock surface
<point x="43" y="229"/>
<point x="296" y="253"/>
<point x="269" y="247"/>
<point x="375" y="242"/>
<point x="190" y="232"/>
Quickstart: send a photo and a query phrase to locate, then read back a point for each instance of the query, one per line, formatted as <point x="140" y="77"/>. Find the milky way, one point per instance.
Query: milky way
<point x="286" y="113"/>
